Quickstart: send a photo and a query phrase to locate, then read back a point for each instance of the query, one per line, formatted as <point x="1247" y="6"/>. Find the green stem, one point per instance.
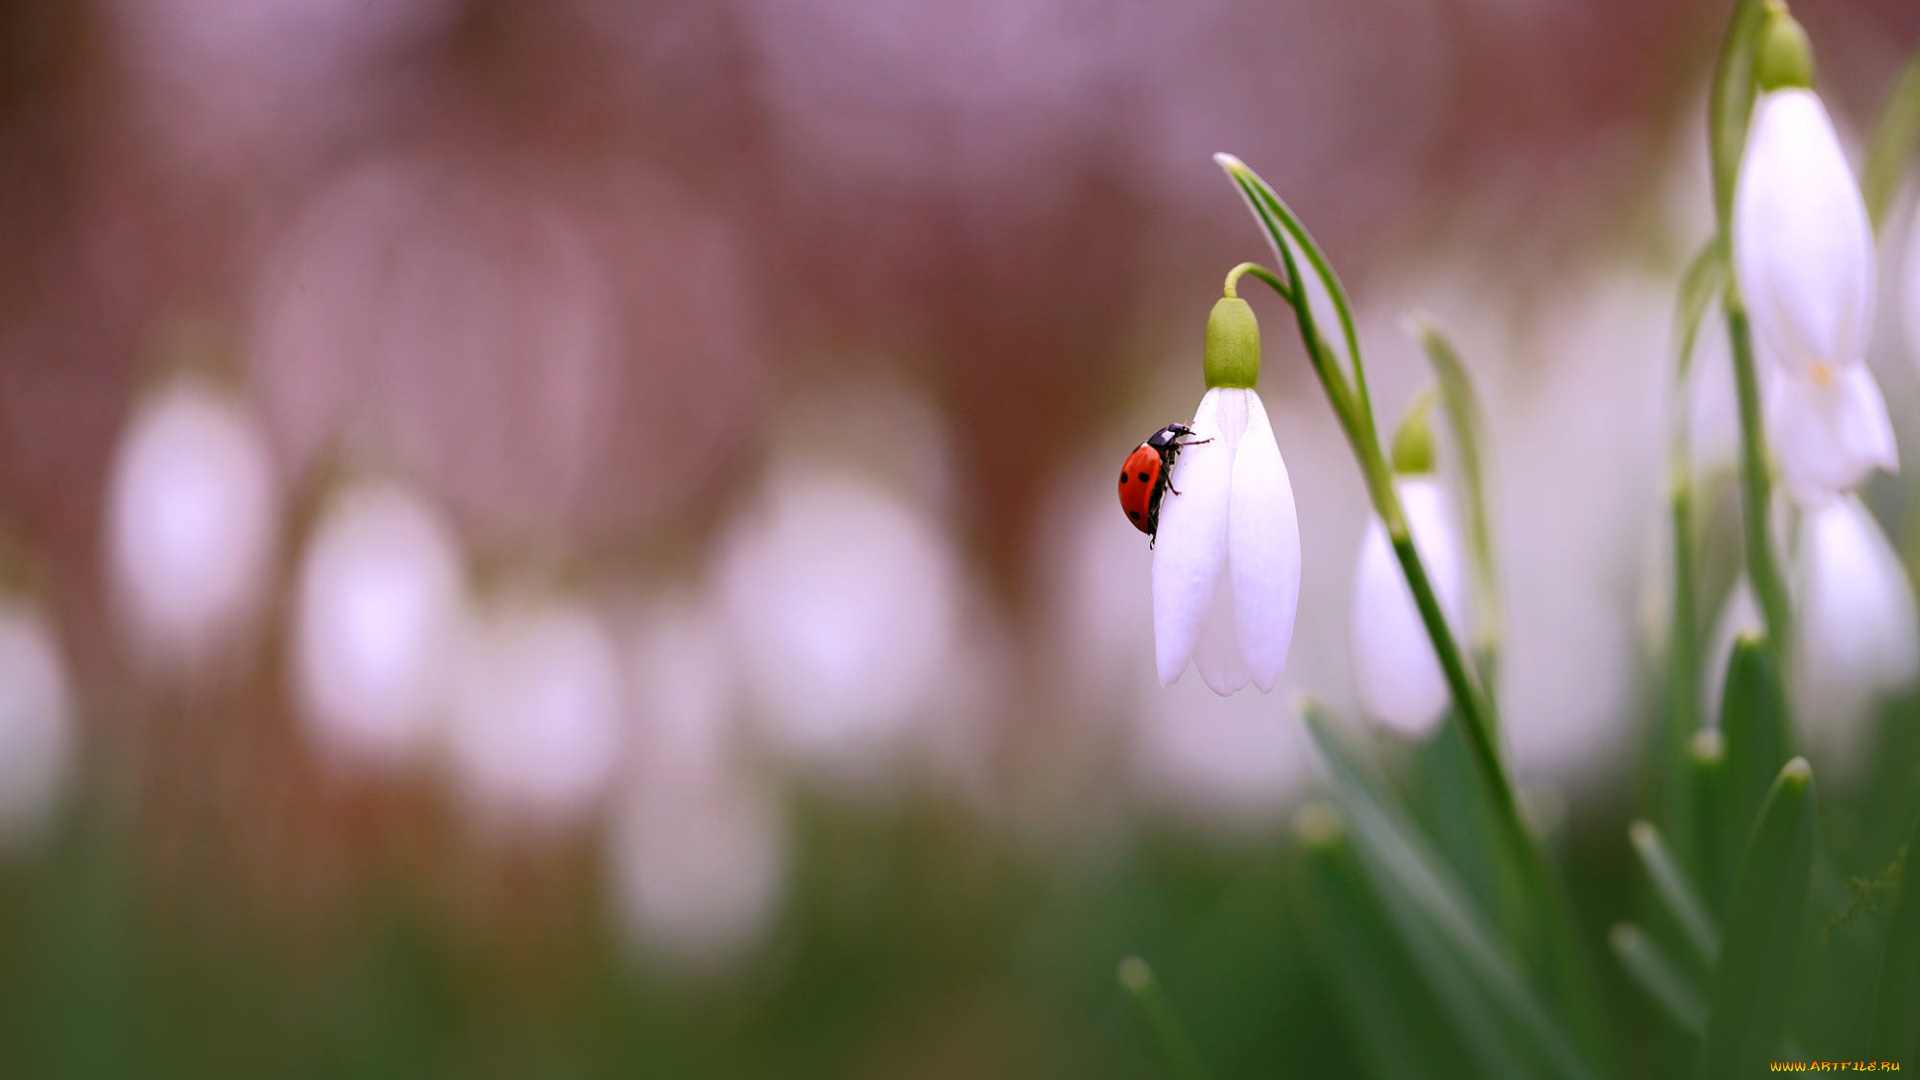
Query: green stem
<point x="1757" y="485"/>
<point x="1524" y="852"/>
<point x="1894" y="135"/>
<point x="1137" y="979"/>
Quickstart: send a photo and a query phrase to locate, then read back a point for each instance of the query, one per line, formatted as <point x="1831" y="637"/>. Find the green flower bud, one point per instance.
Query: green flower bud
<point x="1233" y="345"/>
<point x="1413" y="443"/>
<point x="1784" y="56"/>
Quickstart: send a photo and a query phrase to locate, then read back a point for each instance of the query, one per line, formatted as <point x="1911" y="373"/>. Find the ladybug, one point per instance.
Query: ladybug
<point x="1148" y="475"/>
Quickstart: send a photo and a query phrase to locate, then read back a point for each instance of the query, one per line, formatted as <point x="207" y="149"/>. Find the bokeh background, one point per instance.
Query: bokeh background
<point x="577" y="540"/>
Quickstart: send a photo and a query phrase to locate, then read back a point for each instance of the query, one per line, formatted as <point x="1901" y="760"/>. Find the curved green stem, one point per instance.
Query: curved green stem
<point x="1892" y="143"/>
<point x="1757" y="487"/>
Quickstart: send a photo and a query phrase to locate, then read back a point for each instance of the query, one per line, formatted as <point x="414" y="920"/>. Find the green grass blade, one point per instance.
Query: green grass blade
<point x="1676" y="894"/>
<point x="1730" y="104"/>
<point x="1754" y="723"/>
<point x="1468" y="422"/>
<point x="1643" y="959"/>
<point x="1406" y="871"/>
<point x="1706" y="809"/>
<point x="1896" y="1007"/>
<point x="1760" y="955"/>
<point x="1892" y="142"/>
<point x="1137" y="979"/>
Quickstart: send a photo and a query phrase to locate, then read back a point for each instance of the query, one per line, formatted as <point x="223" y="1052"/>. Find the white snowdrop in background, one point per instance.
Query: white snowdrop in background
<point x="842" y="604"/>
<point x="538" y="712"/>
<point x="380" y="599"/>
<point x="37" y="736"/>
<point x="191" y="522"/>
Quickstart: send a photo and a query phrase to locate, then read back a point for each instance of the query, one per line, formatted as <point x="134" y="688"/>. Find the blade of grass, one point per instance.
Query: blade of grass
<point x="1892" y="143"/>
<point x="1643" y="959"/>
<point x="1137" y="979"/>
<point x="1403" y="867"/>
<point x="1707" y="798"/>
<point x="1676" y="894"/>
<point x="1764" y="929"/>
<point x="1896" y="1006"/>
<point x="1730" y="105"/>
<point x="1755" y="726"/>
<point x="1468" y="422"/>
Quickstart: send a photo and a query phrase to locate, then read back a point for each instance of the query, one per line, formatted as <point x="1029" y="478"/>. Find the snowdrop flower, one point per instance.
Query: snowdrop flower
<point x="1803" y="255"/>
<point x="190" y="521"/>
<point x="1394" y="664"/>
<point x="537" y="726"/>
<point x="1226" y="565"/>
<point x="381" y="595"/>
<point x="1858" y="638"/>
<point x="36" y="720"/>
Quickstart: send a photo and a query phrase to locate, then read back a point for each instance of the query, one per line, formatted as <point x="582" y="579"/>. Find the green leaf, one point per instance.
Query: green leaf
<point x="1896" y="1008"/>
<point x="1760" y="955"/>
<point x="1412" y="879"/>
<point x="1643" y="959"/>
<point x="1704" y="279"/>
<point x="1754" y="723"/>
<point x="1676" y="893"/>
<point x="1706" y="812"/>
<point x="1398" y="1031"/>
<point x="1472" y="446"/>
<point x="1891" y="145"/>
<point x="1137" y="979"/>
<point x="1730" y="106"/>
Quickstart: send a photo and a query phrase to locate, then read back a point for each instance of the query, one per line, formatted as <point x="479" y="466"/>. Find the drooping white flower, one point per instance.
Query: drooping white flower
<point x="380" y="600"/>
<point x="1829" y="428"/>
<point x="1395" y="667"/>
<point x="190" y="521"/>
<point x="1226" y="567"/>
<point x="1803" y="249"/>
<point x="537" y="724"/>
<point x="36" y="721"/>
<point x="1804" y="258"/>
<point x="1858" y="638"/>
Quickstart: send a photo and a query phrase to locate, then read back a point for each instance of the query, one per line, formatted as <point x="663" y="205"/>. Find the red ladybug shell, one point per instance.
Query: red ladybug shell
<point x="1140" y="486"/>
<point x="1148" y="475"/>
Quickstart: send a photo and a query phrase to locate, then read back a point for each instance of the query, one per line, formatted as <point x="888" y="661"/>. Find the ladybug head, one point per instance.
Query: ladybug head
<point x="1165" y="436"/>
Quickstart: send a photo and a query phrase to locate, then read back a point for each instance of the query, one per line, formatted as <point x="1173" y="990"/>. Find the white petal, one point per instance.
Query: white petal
<point x="1802" y="246"/>
<point x="1829" y="432"/>
<point x="1395" y="667"/>
<point x="1263" y="549"/>
<point x="1218" y="655"/>
<point x="1190" y="554"/>
<point x="1858" y="637"/>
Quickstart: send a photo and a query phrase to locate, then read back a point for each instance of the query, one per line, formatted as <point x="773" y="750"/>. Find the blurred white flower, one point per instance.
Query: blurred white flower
<point x="36" y="721"/>
<point x="698" y="878"/>
<point x="1233" y="766"/>
<point x="381" y="596"/>
<point x="1910" y="295"/>
<point x="191" y="521"/>
<point x="1395" y="668"/>
<point x="1802" y="246"/>
<point x="537" y="716"/>
<point x="1804" y="257"/>
<point x="1856" y="641"/>
<point x="842" y="603"/>
<point x="1226" y="568"/>
<point x="1829" y="428"/>
<point x="698" y="847"/>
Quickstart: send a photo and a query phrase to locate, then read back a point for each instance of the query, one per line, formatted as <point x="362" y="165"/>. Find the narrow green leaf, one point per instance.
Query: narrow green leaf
<point x="1707" y="809"/>
<point x="1468" y="422"/>
<point x="1754" y="724"/>
<point x="1397" y="1030"/>
<point x="1760" y="955"/>
<point x="1896" y="1008"/>
<point x="1643" y="959"/>
<point x="1704" y="279"/>
<point x="1405" y="870"/>
<point x="1137" y="979"/>
<point x="1730" y="106"/>
<point x="1892" y="143"/>
<point x="1676" y="894"/>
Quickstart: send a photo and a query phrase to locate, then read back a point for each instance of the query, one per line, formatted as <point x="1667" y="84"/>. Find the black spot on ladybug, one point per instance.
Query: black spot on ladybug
<point x="1123" y="476"/>
<point x="1134" y="514"/>
<point x="1143" y="478"/>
